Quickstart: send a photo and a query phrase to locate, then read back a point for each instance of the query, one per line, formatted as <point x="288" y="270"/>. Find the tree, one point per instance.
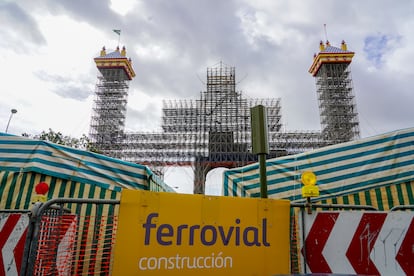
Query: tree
<point x="59" y="138"/>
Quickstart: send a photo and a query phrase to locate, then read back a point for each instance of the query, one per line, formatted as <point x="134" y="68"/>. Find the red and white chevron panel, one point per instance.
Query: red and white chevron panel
<point x="13" y="229"/>
<point x="369" y="243"/>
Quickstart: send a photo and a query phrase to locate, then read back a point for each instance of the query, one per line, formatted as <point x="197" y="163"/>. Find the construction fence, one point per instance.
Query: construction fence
<point x="77" y="237"/>
<point x="59" y="237"/>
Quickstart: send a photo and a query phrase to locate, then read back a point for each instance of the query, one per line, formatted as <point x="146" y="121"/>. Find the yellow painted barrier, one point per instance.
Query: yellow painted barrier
<point x="179" y="234"/>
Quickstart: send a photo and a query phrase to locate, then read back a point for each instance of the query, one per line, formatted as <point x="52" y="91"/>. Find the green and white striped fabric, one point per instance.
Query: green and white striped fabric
<point x="341" y="169"/>
<point x="20" y="154"/>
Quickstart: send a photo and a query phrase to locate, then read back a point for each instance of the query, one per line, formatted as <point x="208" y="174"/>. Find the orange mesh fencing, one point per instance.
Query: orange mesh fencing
<point x="71" y="244"/>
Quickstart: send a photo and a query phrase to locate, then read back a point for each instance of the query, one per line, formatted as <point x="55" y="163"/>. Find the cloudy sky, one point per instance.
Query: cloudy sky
<point x="48" y="74"/>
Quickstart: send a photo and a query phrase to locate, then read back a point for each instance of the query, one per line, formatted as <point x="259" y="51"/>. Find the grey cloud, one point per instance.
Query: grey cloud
<point x="20" y="31"/>
<point x="142" y="119"/>
<point x="73" y="91"/>
<point x="94" y="12"/>
<point x="195" y="32"/>
<point x="49" y="77"/>
<point x="76" y="89"/>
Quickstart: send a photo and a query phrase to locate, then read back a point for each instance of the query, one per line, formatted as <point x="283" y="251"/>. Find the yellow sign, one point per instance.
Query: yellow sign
<point x="309" y="180"/>
<point x="179" y="234"/>
<point x="39" y="198"/>
<point x="310" y="191"/>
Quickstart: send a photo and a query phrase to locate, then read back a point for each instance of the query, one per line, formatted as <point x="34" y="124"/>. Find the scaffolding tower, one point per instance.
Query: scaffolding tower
<point x="107" y="124"/>
<point x="337" y="107"/>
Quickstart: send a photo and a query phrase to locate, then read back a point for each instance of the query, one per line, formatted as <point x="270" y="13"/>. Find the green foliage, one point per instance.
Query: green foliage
<point x="58" y="138"/>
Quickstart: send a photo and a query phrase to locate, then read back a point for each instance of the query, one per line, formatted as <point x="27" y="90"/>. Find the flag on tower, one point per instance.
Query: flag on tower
<point x="117" y="31"/>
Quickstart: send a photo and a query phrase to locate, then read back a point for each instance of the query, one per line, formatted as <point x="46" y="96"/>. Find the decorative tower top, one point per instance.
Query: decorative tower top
<point x="115" y="59"/>
<point x="330" y="54"/>
<point x="103" y="51"/>
<point x="343" y="46"/>
<point x="321" y="46"/>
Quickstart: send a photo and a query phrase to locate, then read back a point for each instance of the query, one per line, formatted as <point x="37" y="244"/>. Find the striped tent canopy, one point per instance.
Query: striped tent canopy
<point x="343" y="169"/>
<point x="22" y="155"/>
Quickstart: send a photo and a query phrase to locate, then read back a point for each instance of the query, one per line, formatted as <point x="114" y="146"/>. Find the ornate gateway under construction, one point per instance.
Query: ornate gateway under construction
<point x="214" y="130"/>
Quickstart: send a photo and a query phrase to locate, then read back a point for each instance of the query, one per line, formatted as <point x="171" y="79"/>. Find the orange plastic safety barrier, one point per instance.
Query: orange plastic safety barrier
<point x="75" y="245"/>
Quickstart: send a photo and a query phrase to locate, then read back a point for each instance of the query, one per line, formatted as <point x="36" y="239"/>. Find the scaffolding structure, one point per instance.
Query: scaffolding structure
<point x="107" y="124"/>
<point x="337" y="107"/>
<point x="215" y="129"/>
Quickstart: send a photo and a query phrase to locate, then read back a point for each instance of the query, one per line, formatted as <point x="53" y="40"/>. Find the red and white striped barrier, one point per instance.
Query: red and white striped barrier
<point x="13" y="229"/>
<point x="370" y="243"/>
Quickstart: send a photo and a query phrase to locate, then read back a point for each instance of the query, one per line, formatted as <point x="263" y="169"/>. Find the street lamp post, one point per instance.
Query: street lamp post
<point x="13" y="111"/>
